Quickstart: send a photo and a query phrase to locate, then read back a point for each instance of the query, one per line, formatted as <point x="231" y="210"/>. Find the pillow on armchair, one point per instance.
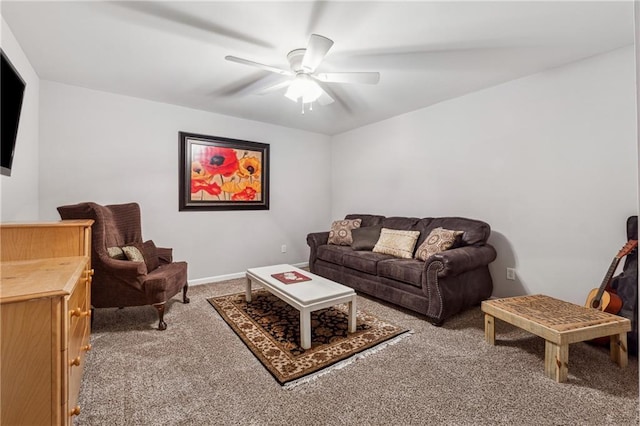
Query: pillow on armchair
<point x="145" y="252"/>
<point x="150" y="253"/>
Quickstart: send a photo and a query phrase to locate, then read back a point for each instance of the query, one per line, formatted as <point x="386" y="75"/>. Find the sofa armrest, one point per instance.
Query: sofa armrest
<point x="315" y="240"/>
<point x="457" y="279"/>
<point x="462" y="259"/>
<point x="165" y="255"/>
<point x="122" y="270"/>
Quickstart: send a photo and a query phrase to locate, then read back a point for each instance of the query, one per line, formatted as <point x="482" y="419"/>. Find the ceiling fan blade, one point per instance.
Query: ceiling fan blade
<point x="258" y="65"/>
<point x="350" y="77"/>
<point x="317" y="48"/>
<point x="334" y="96"/>
<point x="256" y="84"/>
<point x="174" y="15"/>
<point x="275" y="87"/>
<point x="325" y="99"/>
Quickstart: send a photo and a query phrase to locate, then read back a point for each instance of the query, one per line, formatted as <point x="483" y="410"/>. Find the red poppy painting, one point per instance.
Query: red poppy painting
<point x="223" y="174"/>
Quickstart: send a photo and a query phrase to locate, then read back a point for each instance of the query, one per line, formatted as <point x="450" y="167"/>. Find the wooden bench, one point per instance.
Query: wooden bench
<point x="559" y="323"/>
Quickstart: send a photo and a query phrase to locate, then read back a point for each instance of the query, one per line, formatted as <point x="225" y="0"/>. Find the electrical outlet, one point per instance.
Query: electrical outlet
<point x="283" y="248"/>
<point x="511" y="274"/>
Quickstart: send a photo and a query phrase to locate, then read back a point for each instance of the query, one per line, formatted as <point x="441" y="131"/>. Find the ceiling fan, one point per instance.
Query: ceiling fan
<point x="305" y="84"/>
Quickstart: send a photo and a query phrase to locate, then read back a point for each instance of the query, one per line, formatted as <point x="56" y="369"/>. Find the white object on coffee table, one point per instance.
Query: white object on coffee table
<point x="306" y="297"/>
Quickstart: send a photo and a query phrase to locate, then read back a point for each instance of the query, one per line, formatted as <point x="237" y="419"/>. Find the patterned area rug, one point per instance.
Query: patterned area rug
<point x="271" y="330"/>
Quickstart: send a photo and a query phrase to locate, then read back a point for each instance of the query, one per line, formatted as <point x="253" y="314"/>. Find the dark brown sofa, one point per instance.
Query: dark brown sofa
<point x="443" y="285"/>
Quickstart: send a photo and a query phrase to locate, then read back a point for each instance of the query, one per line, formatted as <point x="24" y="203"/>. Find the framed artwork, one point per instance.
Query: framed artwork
<point x="223" y="174"/>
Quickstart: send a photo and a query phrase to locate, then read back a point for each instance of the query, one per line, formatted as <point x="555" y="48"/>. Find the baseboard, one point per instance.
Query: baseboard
<point x="218" y="278"/>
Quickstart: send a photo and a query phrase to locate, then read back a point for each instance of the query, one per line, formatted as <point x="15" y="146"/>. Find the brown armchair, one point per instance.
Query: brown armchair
<point x="119" y="282"/>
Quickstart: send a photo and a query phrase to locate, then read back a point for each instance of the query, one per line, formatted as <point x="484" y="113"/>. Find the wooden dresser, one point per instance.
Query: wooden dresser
<point x="45" y="309"/>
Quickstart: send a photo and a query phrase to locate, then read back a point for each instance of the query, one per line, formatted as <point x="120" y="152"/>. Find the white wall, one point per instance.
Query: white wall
<point x="549" y="161"/>
<point x="108" y="148"/>
<point x="19" y="192"/>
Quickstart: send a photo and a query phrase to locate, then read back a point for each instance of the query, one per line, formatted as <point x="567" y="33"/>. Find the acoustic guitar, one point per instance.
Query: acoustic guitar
<point x="603" y="299"/>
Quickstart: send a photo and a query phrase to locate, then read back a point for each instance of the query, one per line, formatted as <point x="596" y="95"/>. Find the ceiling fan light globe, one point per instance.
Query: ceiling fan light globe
<point x="303" y="87"/>
<point x="292" y="93"/>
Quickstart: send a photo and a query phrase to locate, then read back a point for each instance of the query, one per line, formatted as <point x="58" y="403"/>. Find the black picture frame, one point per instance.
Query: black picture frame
<point x="219" y="173"/>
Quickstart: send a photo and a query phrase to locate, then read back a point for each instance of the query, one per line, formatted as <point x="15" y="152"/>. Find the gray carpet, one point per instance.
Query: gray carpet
<point x="198" y="372"/>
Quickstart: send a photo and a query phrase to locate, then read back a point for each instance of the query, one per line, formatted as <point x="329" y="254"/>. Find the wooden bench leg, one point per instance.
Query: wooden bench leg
<point x="556" y="361"/>
<point x="490" y="329"/>
<point x="618" y="345"/>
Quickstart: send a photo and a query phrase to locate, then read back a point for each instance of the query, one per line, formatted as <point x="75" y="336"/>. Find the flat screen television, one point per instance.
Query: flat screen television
<point x="12" y="93"/>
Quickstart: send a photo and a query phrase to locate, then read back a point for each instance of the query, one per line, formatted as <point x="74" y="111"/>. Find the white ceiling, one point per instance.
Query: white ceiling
<point x="426" y="52"/>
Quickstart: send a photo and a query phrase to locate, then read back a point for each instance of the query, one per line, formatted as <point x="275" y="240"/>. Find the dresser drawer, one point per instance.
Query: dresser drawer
<point x="78" y="300"/>
<point x="79" y="334"/>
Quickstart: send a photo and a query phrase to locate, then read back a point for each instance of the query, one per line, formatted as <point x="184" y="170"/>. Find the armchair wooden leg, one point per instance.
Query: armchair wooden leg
<point x="185" y="299"/>
<point x="161" y="324"/>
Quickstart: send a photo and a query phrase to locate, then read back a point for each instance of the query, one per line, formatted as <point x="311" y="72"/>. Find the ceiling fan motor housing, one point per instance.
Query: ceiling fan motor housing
<point x="295" y="60"/>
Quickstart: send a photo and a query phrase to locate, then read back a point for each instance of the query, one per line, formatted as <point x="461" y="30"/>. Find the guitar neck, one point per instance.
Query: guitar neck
<point x="607" y="278"/>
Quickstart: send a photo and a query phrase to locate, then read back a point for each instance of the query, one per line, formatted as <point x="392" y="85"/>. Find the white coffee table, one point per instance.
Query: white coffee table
<point x="306" y="297"/>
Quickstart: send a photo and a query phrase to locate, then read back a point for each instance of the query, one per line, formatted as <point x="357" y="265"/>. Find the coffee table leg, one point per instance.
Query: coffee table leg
<point x="305" y="329"/>
<point x="556" y="361"/>
<point x="490" y="329"/>
<point x="248" y="290"/>
<point x="618" y="344"/>
<point x="352" y="316"/>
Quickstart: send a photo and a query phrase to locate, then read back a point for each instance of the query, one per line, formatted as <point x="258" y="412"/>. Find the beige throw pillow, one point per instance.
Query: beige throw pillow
<point x="439" y="240"/>
<point x="116" y="253"/>
<point x="397" y="243"/>
<point x="133" y="253"/>
<point x="340" y="233"/>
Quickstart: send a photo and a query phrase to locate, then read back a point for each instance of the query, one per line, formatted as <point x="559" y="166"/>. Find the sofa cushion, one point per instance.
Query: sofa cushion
<point x="332" y="253"/>
<point x="340" y="233"/>
<point x="367" y="219"/>
<point x="365" y="238"/>
<point x="406" y="270"/>
<point x="439" y="240"/>
<point x="365" y="261"/>
<point x="475" y="231"/>
<point x="397" y="243"/>
<point x="402" y="223"/>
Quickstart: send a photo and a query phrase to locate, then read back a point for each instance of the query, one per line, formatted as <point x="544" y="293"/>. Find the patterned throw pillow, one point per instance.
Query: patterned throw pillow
<point x="116" y="253"/>
<point x="133" y="253"/>
<point x="397" y="243"/>
<point x="439" y="240"/>
<point x="340" y="233"/>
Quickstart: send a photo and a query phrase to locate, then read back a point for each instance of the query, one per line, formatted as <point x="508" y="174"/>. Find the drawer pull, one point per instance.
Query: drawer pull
<point x="75" y="361"/>
<point x="76" y="411"/>
<point x="77" y="312"/>
<point x="86" y="348"/>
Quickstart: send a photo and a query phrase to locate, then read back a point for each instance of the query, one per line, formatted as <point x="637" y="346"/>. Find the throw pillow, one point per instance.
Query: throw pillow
<point x="133" y="253"/>
<point x="365" y="238"/>
<point x="150" y="253"/>
<point x="397" y="243"/>
<point x="340" y="233"/>
<point x="439" y="240"/>
<point x="116" y="253"/>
